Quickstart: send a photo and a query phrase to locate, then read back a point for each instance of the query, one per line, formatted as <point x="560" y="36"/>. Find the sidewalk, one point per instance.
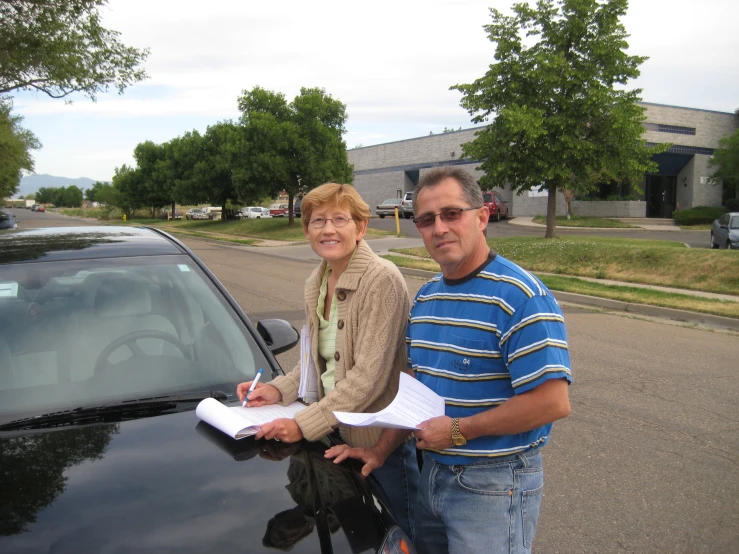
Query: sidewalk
<point x="638" y="222"/>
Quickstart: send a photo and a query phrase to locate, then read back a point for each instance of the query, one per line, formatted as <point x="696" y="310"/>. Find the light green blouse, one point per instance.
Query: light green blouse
<point x="327" y="334"/>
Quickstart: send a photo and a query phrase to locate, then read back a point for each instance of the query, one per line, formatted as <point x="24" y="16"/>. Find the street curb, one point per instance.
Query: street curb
<point x="617" y="305"/>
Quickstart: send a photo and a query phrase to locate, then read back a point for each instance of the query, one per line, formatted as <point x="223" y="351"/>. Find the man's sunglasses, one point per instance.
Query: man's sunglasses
<point x="446" y="214"/>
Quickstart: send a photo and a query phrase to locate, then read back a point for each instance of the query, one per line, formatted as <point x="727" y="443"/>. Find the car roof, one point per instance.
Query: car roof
<point x="75" y="243"/>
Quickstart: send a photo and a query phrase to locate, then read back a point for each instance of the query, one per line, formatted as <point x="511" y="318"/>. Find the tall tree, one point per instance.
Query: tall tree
<point x="292" y="146"/>
<point x="726" y="161"/>
<point x="555" y="115"/>
<point x="154" y="167"/>
<point x="60" y="47"/>
<point x="131" y="187"/>
<point x="91" y="193"/>
<point x="16" y="144"/>
<point x="213" y="171"/>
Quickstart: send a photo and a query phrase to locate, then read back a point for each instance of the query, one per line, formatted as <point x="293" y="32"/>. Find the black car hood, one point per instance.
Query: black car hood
<point x="170" y="483"/>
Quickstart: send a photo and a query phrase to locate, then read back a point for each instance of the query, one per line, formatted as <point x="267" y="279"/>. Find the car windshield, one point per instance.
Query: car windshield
<point x="734" y="222"/>
<point x="86" y="332"/>
<point x="4" y="216"/>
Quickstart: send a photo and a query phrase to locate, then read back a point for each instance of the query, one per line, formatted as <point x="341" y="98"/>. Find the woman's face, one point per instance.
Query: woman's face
<point x="334" y="244"/>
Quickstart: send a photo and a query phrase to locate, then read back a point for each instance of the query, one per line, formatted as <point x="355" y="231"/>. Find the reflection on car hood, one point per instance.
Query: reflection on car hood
<point x="173" y="483"/>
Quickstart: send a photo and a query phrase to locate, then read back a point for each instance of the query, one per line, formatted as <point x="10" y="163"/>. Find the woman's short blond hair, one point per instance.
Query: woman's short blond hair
<point x="334" y="194"/>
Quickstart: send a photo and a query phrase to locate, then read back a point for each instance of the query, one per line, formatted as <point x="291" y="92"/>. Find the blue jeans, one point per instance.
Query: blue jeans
<point x="489" y="506"/>
<point x="398" y="484"/>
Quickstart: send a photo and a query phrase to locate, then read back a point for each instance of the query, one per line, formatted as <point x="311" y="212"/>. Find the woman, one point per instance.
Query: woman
<point x="357" y="307"/>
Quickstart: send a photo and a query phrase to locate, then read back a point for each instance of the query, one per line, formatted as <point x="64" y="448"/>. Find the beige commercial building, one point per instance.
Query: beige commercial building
<point x="681" y="181"/>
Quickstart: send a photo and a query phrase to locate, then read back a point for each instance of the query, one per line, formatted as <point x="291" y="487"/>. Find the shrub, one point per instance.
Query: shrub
<point x="732" y="205"/>
<point x="698" y="215"/>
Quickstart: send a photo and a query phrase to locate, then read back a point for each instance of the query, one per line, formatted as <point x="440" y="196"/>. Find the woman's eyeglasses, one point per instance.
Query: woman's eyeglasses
<point x="446" y="215"/>
<point x="320" y="222"/>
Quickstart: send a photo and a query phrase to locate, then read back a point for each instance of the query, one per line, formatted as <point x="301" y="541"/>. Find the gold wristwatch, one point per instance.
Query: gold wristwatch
<point x="457" y="437"/>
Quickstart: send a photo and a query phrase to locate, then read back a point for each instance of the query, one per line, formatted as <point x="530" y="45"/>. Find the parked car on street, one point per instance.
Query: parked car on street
<point x="387" y="207"/>
<point x="196" y="213"/>
<point x="109" y="338"/>
<point x="406" y="205"/>
<point x="254" y="212"/>
<point x="725" y="231"/>
<point x="7" y="221"/>
<point x="496" y="205"/>
<point x="278" y="210"/>
<point x="296" y="206"/>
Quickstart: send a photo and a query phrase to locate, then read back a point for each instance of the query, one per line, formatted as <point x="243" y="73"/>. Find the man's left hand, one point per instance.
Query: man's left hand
<point x="284" y="429"/>
<point x="435" y="433"/>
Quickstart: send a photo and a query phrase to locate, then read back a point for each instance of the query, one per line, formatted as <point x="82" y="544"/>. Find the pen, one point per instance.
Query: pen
<point x="251" y="388"/>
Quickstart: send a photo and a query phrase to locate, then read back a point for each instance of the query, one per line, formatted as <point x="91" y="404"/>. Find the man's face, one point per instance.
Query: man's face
<point x="458" y="246"/>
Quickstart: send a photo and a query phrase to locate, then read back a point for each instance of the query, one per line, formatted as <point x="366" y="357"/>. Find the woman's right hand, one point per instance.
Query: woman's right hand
<point x="262" y="395"/>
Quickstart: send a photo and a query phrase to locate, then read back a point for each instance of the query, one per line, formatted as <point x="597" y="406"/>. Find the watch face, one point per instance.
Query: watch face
<point x="459" y="441"/>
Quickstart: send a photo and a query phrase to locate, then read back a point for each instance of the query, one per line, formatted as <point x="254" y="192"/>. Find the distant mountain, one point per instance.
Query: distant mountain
<point x="31" y="183"/>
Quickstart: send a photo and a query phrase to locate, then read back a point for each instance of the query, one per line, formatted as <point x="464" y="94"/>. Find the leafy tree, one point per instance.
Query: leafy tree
<point x="726" y="161"/>
<point x="60" y="47"/>
<point x="68" y="197"/>
<point x="71" y="197"/>
<point x="293" y="146"/>
<point x="130" y="186"/>
<point x="219" y="153"/>
<point x="557" y="119"/>
<point x="91" y="193"/>
<point x="16" y="144"/>
<point x="156" y="171"/>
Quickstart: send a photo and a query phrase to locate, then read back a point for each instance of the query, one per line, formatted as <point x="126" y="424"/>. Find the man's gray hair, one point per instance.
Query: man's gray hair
<point x="470" y="189"/>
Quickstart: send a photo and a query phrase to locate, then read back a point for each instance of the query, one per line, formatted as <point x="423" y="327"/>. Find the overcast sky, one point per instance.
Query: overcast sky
<point x="390" y="62"/>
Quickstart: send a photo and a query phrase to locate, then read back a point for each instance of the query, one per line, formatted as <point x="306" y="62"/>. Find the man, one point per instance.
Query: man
<point x="488" y="337"/>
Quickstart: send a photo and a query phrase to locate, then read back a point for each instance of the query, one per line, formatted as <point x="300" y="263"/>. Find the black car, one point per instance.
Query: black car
<point x="296" y="207"/>
<point x="109" y="338"/>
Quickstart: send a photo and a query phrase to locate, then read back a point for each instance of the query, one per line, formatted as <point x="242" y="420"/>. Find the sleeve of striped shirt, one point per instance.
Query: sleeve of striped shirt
<point x="534" y="345"/>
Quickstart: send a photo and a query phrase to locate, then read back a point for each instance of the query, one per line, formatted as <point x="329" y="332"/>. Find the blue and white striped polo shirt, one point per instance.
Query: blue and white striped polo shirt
<point x="480" y="340"/>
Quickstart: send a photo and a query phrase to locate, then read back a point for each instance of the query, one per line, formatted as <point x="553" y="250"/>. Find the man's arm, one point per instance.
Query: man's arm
<point x="374" y="457"/>
<point x="529" y="410"/>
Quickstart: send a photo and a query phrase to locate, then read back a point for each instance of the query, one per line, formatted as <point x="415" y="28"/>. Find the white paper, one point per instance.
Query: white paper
<point x="414" y="404"/>
<point x="308" y="389"/>
<point x="238" y="422"/>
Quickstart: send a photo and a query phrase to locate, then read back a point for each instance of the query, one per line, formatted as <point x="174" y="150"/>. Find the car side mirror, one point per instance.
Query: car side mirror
<point x="279" y="335"/>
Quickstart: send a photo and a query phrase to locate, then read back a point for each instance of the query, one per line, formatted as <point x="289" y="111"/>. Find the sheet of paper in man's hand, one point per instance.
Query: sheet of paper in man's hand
<point x="414" y="403"/>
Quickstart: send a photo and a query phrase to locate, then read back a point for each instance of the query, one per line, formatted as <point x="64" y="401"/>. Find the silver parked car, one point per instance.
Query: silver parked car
<point x="725" y="231"/>
<point x="387" y="207"/>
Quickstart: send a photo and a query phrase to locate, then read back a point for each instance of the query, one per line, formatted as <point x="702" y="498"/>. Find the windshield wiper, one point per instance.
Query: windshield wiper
<point x="122" y="409"/>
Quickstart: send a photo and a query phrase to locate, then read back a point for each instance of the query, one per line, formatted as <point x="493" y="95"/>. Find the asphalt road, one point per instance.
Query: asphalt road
<point x="647" y="462"/>
<point x="695" y="239"/>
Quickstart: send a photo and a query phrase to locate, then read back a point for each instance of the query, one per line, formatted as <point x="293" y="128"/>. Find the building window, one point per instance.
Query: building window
<point x="680" y="149"/>
<point x="398" y="193"/>
<point x="674" y="129"/>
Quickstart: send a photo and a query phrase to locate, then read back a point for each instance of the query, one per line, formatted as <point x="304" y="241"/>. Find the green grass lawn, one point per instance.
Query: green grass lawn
<point x="578" y="221"/>
<point x="664" y="263"/>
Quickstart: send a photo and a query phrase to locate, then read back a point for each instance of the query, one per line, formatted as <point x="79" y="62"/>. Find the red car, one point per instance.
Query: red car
<point x="278" y="210"/>
<point x="497" y="206"/>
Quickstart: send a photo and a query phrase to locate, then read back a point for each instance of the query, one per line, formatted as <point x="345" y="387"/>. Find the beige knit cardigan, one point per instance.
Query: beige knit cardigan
<point x="372" y="314"/>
